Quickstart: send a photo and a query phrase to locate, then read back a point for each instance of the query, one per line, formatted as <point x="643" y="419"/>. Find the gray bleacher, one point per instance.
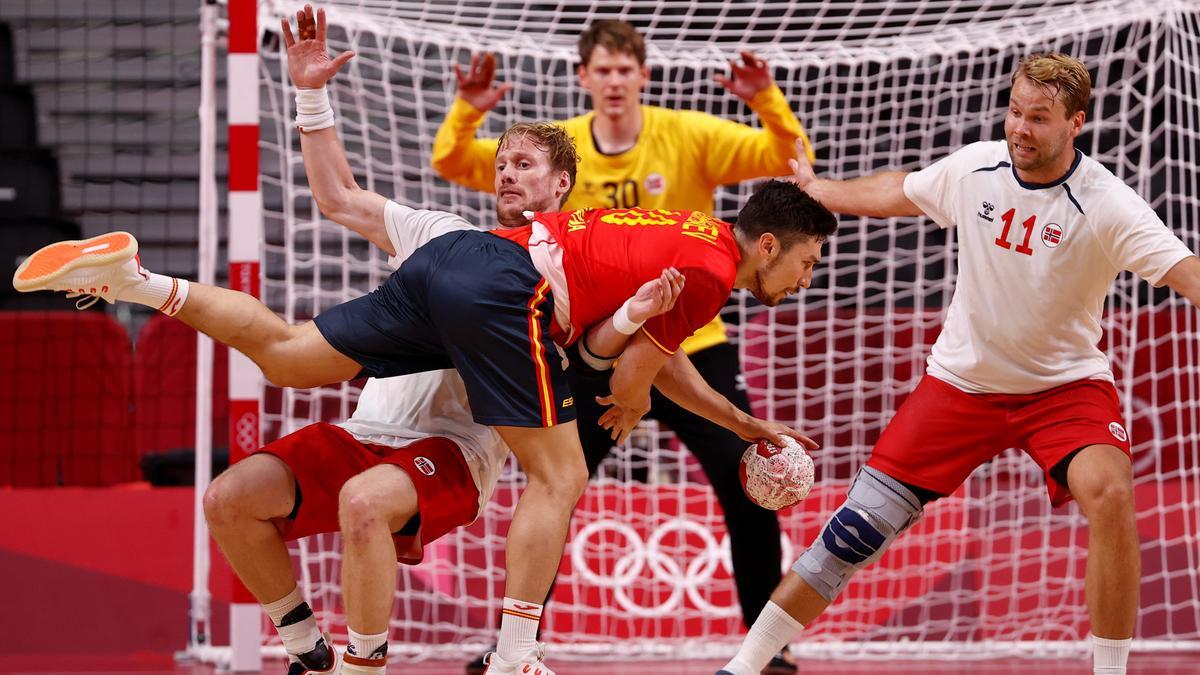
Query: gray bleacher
<point x="117" y="87"/>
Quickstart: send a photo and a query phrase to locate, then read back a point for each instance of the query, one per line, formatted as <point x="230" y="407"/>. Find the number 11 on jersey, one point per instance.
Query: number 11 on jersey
<point x="1002" y="240"/>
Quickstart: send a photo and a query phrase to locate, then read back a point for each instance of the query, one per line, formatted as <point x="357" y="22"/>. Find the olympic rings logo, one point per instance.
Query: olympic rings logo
<point x="686" y="579"/>
<point x="246" y="432"/>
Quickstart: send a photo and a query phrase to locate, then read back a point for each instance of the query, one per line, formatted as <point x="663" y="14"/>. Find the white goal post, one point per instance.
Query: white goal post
<point x="991" y="570"/>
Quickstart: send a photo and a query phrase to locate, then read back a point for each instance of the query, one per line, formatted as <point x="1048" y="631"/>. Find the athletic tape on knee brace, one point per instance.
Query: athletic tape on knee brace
<point x="877" y="509"/>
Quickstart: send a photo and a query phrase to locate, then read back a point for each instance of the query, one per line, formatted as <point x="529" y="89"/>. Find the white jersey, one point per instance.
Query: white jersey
<point x="1035" y="263"/>
<point x="396" y="411"/>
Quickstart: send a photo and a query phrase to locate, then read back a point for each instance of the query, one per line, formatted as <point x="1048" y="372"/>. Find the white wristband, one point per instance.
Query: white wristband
<point x="622" y="322"/>
<point x="313" y="111"/>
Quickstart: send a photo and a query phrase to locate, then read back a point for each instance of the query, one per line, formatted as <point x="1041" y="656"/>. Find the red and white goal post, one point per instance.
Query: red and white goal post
<point x="991" y="570"/>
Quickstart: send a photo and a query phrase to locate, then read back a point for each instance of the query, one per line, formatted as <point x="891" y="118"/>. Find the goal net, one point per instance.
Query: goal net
<point x="992" y="569"/>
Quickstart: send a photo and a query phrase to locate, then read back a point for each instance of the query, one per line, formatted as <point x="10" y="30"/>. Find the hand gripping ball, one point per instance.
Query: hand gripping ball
<point x="774" y="477"/>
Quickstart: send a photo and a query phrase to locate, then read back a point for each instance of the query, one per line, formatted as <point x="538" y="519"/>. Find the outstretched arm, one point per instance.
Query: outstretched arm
<point x="736" y="152"/>
<point x="879" y="195"/>
<point x="643" y="364"/>
<point x="334" y="188"/>
<point x="679" y="381"/>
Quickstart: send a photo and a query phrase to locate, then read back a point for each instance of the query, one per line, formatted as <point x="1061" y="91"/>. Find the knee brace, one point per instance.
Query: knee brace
<point x="877" y="509"/>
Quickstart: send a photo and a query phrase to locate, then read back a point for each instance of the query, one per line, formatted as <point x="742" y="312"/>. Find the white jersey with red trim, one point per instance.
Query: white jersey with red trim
<point x="396" y="411"/>
<point x="1035" y="263"/>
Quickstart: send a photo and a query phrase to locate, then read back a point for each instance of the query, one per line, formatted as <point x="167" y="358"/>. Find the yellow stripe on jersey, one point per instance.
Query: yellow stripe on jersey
<point x="538" y="352"/>
<point x="668" y="352"/>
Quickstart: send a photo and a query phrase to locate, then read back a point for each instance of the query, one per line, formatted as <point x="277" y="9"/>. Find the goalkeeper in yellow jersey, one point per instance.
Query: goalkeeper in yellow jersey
<point x="634" y="155"/>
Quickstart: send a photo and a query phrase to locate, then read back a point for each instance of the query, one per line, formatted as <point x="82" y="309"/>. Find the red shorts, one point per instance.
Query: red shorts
<point x="941" y="434"/>
<point x="323" y="457"/>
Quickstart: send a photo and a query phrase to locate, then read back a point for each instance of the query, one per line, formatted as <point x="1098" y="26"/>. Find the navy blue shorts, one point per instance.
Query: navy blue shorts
<point x="471" y="301"/>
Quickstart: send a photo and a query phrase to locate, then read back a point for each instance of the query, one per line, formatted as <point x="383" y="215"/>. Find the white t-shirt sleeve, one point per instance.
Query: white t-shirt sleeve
<point x="410" y="229"/>
<point x="935" y="188"/>
<point x="1135" y="238"/>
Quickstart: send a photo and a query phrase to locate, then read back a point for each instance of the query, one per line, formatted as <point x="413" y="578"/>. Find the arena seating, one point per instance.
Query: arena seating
<point x="65" y="401"/>
<point x="164" y="388"/>
<point x="20" y="236"/>
<point x="19" y="113"/>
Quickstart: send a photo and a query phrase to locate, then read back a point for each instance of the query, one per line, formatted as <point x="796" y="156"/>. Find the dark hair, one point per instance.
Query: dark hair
<point x="786" y="211"/>
<point x="552" y="139"/>
<point x="615" y="36"/>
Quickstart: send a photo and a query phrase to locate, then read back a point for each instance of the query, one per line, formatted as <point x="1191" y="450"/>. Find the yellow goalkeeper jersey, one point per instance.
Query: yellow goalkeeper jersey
<point x="680" y="157"/>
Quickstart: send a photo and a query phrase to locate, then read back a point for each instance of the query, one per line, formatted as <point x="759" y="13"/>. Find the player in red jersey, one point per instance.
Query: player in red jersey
<point x="478" y="303"/>
<point x="591" y="257"/>
<point x="591" y="243"/>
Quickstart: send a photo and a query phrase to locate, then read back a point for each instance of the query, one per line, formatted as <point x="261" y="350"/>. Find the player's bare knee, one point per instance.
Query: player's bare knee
<point x="1104" y="499"/>
<point x="278" y="358"/>
<point x="565" y="486"/>
<point x="359" y="515"/>
<point x="576" y="480"/>
<point x="224" y="501"/>
<point x="877" y="509"/>
<point x="382" y="497"/>
<point x="259" y="487"/>
<point x="279" y="368"/>
<point x="1103" y="489"/>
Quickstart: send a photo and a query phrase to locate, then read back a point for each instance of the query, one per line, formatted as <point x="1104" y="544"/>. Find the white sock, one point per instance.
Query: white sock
<point x="1109" y="657"/>
<point x="771" y="632"/>
<point x="364" y="655"/>
<point x="166" y="294"/>
<point x="300" y="635"/>
<point x="518" y="628"/>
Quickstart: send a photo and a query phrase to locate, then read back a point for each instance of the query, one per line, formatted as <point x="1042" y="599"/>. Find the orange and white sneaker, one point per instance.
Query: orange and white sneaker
<point x="530" y="664"/>
<point x="98" y="267"/>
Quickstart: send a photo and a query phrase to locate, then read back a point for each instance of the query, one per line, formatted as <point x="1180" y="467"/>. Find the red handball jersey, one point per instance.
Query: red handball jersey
<point x="596" y="259"/>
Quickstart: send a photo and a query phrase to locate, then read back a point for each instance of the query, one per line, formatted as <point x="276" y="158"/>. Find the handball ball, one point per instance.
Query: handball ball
<point x="774" y="477"/>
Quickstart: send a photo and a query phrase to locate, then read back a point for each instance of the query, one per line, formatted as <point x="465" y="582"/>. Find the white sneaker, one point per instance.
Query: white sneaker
<point x="530" y="664"/>
<point x="98" y="267"/>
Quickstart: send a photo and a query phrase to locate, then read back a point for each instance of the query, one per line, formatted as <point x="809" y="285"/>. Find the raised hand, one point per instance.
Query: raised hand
<point x="657" y="296"/>
<point x="308" y="58"/>
<point x="476" y="86"/>
<point x="802" y="170"/>
<point x="749" y="77"/>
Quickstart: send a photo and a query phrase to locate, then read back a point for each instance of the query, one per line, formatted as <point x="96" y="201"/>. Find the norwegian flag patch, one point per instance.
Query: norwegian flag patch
<point x="1052" y="235"/>
<point x="1117" y="431"/>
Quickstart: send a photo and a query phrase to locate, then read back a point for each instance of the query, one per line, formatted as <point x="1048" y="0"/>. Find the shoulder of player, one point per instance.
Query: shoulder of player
<point x="579" y="126"/>
<point x="668" y="120"/>
<point x="983" y="156"/>
<point x="1099" y="194"/>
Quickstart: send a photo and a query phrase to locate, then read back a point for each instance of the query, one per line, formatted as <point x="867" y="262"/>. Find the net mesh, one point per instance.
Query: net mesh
<point x="879" y="85"/>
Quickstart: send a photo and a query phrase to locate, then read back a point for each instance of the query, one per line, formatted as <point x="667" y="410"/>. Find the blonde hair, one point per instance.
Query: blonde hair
<point x="552" y="139"/>
<point x="1062" y="77"/>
